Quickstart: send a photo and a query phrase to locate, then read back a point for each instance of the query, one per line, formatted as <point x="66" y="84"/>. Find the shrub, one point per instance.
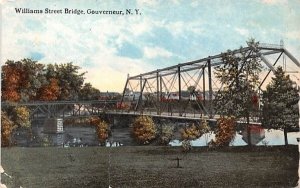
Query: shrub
<point x="186" y="145"/>
<point x="7" y="127"/>
<point x="225" y="131"/>
<point x="191" y="132"/>
<point x="144" y="130"/>
<point x="102" y="130"/>
<point x="205" y="129"/>
<point x="166" y="134"/>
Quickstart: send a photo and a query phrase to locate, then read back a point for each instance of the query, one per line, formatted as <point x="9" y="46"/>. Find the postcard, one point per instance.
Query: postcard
<point x="149" y="93"/>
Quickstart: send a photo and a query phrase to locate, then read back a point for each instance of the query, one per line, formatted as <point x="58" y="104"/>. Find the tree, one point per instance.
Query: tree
<point x="225" y="131"/>
<point x="70" y="80"/>
<point x="11" y="81"/>
<point x="88" y="92"/>
<point x="205" y="129"/>
<point x="191" y="132"/>
<point x="50" y="92"/>
<point x="144" y="130"/>
<point x="102" y="130"/>
<point x="20" y="116"/>
<point x="21" y="80"/>
<point x="280" y="104"/>
<point x="7" y="127"/>
<point x="239" y="75"/>
<point x="166" y="134"/>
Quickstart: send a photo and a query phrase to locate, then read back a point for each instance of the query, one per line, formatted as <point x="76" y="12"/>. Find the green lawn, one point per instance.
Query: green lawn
<point x="150" y="166"/>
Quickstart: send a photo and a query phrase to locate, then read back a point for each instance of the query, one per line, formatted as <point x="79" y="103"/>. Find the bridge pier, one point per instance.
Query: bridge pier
<point x="53" y="125"/>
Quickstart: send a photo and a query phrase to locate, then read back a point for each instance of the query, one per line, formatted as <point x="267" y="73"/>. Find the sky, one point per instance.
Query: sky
<point x="166" y="33"/>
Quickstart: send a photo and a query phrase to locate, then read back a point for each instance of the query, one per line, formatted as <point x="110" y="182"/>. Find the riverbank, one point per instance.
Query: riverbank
<point x="150" y="166"/>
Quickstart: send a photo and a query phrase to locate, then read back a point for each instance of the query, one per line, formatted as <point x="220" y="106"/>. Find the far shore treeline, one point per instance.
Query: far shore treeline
<point x="28" y="80"/>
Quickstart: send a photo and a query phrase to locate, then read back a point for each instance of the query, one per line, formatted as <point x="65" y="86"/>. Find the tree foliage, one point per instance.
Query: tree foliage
<point x="28" y="80"/>
<point x="88" y="92"/>
<point x="239" y="75"/>
<point x="102" y="130"/>
<point x="20" y="116"/>
<point x="50" y="92"/>
<point x="21" y="80"/>
<point x="191" y="132"/>
<point x="166" y="134"/>
<point x="7" y="127"/>
<point x="11" y="118"/>
<point x="280" y="103"/>
<point x="225" y="131"/>
<point x="144" y="130"/>
<point x="70" y="80"/>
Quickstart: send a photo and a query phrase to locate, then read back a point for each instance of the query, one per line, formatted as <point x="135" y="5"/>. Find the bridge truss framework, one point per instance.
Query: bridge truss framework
<point x="149" y="90"/>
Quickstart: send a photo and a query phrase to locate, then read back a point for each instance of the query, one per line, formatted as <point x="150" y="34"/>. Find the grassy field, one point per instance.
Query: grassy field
<point x="149" y="166"/>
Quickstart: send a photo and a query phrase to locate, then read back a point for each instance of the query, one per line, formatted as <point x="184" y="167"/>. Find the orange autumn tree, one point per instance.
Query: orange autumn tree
<point x="225" y="131"/>
<point x="102" y="129"/>
<point x="144" y="130"/>
<point x="7" y="127"/>
<point x="51" y="91"/>
<point x="190" y="133"/>
<point x="11" y="81"/>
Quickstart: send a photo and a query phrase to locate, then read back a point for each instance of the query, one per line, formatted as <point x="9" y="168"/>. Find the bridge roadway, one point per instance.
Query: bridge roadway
<point x="176" y="116"/>
<point x="73" y="109"/>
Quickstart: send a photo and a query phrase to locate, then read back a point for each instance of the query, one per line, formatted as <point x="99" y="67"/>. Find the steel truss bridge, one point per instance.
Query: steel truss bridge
<point x="164" y="92"/>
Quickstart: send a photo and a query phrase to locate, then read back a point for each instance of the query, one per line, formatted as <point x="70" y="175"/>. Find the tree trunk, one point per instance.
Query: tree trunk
<point x="248" y="131"/>
<point x="285" y="136"/>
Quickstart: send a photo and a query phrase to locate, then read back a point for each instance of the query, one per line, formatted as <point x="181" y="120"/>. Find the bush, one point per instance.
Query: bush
<point x="144" y="130"/>
<point x="191" y="132"/>
<point x="186" y="145"/>
<point x="7" y="127"/>
<point x="166" y="134"/>
<point x="205" y="129"/>
<point x="225" y="131"/>
<point x="102" y="130"/>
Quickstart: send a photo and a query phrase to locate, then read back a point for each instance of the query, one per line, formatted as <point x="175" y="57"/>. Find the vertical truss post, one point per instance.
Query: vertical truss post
<point x="203" y="72"/>
<point x="209" y="87"/>
<point x="141" y="83"/>
<point x="160" y="86"/>
<point x="124" y="90"/>
<point x="141" y="94"/>
<point x="179" y="89"/>
<point x="179" y="83"/>
<point x="158" y="92"/>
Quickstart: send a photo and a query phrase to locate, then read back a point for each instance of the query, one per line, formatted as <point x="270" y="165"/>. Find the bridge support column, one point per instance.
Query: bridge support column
<point x="158" y="91"/>
<point x="179" y="88"/>
<point x="141" y="94"/>
<point x="203" y="74"/>
<point x="210" y="88"/>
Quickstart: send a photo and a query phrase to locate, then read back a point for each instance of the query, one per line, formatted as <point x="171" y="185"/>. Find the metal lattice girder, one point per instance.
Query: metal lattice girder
<point x="60" y="108"/>
<point x="178" y="78"/>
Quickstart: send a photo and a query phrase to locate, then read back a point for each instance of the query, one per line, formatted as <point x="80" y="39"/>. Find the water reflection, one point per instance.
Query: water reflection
<point x="81" y="136"/>
<point x="272" y="137"/>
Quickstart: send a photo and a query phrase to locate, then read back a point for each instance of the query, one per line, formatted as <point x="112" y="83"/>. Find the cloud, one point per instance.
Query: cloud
<point x="272" y="2"/>
<point x="156" y="52"/>
<point x="242" y="31"/>
<point x="109" y="47"/>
